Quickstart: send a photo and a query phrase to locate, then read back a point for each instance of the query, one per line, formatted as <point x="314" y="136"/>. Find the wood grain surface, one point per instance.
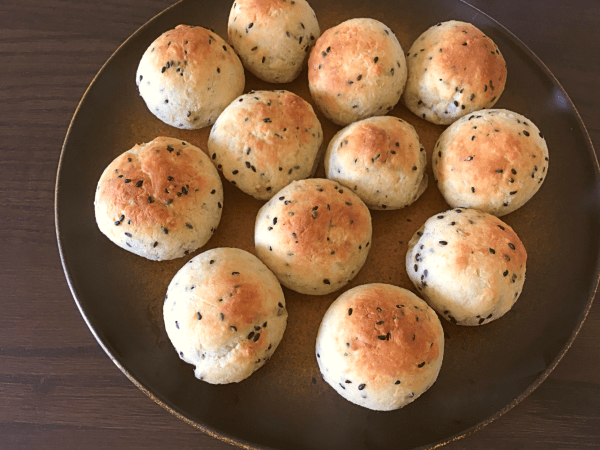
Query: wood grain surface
<point x="58" y="389"/>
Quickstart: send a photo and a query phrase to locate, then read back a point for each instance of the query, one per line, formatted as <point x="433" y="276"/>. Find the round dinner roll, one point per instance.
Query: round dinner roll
<point x="314" y="235"/>
<point x="273" y="38"/>
<point x="469" y="265"/>
<point x="493" y="161"/>
<point x="380" y="346"/>
<point x="265" y="140"/>
<point x="356" y="70"/>
<point x="381" y="160"/>
<point x="160" y="200"/>
<point x="453" y="70"/>
<point x="225" y="313"/>
<point x="188" y="76"/>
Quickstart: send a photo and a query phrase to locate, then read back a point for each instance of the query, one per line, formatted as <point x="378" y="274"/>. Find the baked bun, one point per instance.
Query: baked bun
<point x="469" y="265"/>
<point x="188" y="76"/>
<point x="356" y="70"/>
<point x="225" y="313"/>
<point x="314" y="235"/>
<point x="265" y="140"/>
<point x="453" y="70"/>
<point x="273" y="38"/>
<point x="380" y="346"/>
<point x="381" y="160"/>
<point x="160" y="200"/>
<point x="493" y="161"/>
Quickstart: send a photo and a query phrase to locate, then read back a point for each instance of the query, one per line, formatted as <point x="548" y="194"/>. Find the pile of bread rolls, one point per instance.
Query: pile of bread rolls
<point x="379" y="346"/>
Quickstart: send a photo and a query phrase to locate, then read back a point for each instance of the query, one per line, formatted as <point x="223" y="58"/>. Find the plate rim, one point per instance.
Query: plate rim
<point x="238" y="442"/>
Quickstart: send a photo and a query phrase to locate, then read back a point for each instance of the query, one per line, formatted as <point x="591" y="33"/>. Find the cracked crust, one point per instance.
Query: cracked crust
<point x="225" y="313"/>
<point x="314" y="235"/>
<point x="383" y="338"/>
<point x="160" y="200"/>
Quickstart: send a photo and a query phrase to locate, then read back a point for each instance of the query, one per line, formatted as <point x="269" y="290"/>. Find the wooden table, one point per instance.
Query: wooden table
<point x="57" y="387"/>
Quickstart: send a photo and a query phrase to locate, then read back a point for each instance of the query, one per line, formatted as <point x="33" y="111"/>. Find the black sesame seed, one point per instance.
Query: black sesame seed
<point x="165" y="230"/>
<point x="126" y="180"/>
<point x="326" y="281"/>
<point x="350" y="312"/>
<point x="526" y="133"/>
<point x="361" y="387"/>
<point x="256" y="337"/>
<point x="443" y="243"/>
<point x="511" y="245"/>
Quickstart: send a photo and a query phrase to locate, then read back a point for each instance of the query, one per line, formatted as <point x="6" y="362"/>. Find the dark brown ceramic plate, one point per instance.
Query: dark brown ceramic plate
<point x="486" y="370"/>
